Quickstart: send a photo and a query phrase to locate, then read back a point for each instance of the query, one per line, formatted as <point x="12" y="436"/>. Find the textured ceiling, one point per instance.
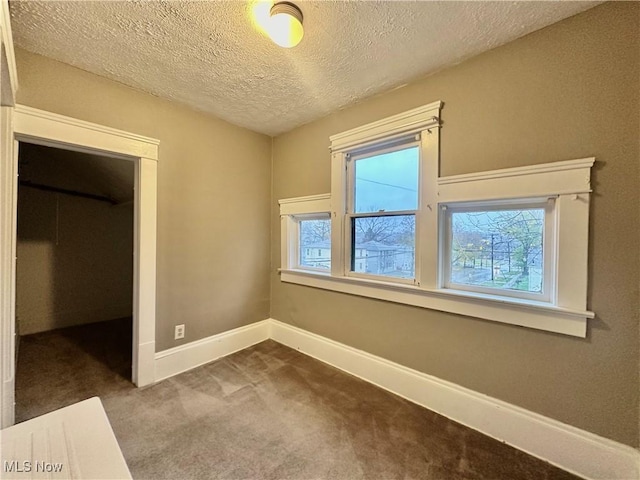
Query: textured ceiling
<point x="211" y="55"/>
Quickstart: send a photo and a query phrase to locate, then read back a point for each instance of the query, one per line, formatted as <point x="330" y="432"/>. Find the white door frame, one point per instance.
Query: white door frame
<point x="8" y="87"/>
<point x="44" y="128"/>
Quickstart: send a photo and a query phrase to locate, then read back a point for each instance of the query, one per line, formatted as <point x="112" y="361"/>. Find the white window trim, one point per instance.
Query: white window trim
<point x="351" y="214"/>
<point x="568" y="182"/>
<point x="500" y="309"/>
<point x="305" y="205"/>
<point x="292" y="210"/>
<point x="546" y="203"/>
<point x="422" y="123"/>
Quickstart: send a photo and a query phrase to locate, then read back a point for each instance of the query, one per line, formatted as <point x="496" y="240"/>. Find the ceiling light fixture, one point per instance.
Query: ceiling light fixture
<point x="285" y="25"/>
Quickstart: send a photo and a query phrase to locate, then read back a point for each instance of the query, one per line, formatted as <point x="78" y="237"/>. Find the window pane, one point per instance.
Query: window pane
<point x="387" y="182"/>
<point x="384" y="246"/>
<point x="498" y="249"/>
<point x="315" y="243"/>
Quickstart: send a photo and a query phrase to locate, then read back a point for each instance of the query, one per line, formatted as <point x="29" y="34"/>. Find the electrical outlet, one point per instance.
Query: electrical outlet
<point x="179" y="332"/>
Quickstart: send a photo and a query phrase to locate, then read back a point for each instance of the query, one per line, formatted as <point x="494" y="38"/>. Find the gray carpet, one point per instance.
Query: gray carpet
<point x="267" y="412"/>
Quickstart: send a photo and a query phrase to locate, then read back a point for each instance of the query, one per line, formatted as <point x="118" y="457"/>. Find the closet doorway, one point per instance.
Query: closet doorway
<point x="74" y="277"/>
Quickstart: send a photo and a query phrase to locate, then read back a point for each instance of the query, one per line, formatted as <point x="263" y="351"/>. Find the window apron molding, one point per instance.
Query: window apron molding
<point x="532" y="274"/>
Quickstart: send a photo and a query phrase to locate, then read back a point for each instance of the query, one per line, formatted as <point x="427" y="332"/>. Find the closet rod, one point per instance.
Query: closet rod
<point x="47" y="188"/>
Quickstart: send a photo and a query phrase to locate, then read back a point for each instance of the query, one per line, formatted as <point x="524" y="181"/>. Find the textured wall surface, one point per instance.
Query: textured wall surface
<point x="210" y="55"/>
<point x="568" y="91"/>
<point x="213" y="197"/>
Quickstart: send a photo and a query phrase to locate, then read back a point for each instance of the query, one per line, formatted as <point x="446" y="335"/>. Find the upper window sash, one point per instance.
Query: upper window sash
<point x="352" y="167"/>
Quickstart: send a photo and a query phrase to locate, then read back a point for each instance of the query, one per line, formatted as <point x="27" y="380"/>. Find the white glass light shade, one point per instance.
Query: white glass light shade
<point x="285" y="26"/>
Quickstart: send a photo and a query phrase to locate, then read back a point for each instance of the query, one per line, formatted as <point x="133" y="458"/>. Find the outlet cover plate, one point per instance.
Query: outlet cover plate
<point x="179" y="332"/>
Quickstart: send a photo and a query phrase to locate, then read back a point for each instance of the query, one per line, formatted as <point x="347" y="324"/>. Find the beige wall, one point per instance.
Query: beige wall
<point x="213" y="197"/>
<point x="565" y="92"/>
<point x="75" y="262"/>
<point x="568" y="91"/>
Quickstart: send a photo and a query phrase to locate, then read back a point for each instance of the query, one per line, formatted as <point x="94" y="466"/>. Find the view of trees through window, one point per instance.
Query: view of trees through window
<point x="385" y="200"/>
<point x="315" y="243"/>
<point x="385" y="245"/>
<point x="498" y="249"/>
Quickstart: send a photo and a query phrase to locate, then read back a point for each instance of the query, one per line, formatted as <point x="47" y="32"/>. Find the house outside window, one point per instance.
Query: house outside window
<point x="314" y="242"/>
<point x="500" y="249"/>
<point x="383" y="200"/>
<point x="507" y="245"/>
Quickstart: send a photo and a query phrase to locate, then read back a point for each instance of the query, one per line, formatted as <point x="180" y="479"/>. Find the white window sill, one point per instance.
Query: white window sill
<point x="527" y="313"/>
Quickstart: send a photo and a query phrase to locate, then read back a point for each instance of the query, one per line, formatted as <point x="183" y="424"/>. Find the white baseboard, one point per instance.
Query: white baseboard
<point x="191" y="355"/>
<point x="570" y="448"/>
<point x="7" y="415"/>
<point x="144" y="366"/>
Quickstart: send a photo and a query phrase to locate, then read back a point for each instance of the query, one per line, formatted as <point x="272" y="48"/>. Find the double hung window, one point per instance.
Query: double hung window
<point x="505" y="245"/>
<point x="381" y="218"/>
